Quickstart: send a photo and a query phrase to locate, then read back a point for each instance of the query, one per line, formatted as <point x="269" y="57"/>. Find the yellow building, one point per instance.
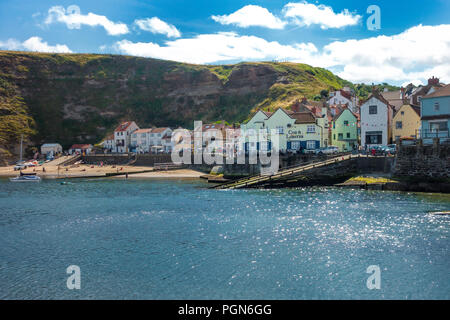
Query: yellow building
<point x="406" y="122"/>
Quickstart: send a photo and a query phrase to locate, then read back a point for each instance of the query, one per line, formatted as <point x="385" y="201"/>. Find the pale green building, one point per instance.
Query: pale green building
<point x="344" y="131"/>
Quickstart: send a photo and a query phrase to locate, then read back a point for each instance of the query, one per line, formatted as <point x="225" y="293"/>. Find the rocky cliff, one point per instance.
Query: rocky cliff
<point x="73" y="98"/>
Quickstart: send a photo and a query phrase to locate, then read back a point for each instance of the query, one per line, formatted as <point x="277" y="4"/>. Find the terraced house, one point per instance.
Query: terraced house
<point x="295" y="131"/>
<point x="344" y="132"/>
<point x="376" y="119"/>
<point x="406" y="122"/>
<point x="435" y="116"/>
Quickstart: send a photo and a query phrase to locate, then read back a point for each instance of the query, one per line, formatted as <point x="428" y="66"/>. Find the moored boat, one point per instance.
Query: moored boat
<point x="26" y="177"/>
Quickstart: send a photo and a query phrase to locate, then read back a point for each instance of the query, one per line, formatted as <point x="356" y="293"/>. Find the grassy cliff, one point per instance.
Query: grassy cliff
<point x="73" y="98"/>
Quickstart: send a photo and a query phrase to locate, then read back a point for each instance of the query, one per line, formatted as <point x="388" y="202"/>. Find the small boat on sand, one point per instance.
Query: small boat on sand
<point x="26" y="177"/>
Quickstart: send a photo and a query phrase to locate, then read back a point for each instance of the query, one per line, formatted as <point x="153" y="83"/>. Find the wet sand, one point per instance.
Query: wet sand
<point x="85" y="171"/>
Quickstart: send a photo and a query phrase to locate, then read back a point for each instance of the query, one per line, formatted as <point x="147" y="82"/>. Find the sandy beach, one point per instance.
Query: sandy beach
<point x="85" y="171"/>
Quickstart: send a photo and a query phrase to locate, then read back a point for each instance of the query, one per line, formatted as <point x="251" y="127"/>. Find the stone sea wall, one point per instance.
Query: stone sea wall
<point x="423" y="161"/>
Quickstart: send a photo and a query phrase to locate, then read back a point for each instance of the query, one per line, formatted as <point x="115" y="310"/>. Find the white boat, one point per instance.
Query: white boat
<point x="26" y="177"/>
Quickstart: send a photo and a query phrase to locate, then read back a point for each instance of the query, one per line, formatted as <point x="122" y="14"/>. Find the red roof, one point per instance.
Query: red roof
<point x="158" y="130"/>
<point x="143" y="131"/>
<point x="441" y="92"/>
<point x="123" y="126"/>
<point x="346" y="94"/>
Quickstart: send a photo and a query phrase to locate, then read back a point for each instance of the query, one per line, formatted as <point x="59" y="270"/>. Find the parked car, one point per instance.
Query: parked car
<point x="328" y="150"/>
<point x="379" y="150"/>
<point x="391" y="148"/>
<point x="309" y="151"/>
<point x="20" y="166"/>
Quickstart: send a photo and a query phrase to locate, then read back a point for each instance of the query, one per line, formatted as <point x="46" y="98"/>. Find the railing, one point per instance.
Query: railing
<point x="428" y="134"/>
<point x="251" y="180"/>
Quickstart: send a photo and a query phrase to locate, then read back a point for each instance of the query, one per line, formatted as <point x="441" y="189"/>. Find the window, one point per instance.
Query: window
<point x="334" y="136"/>
<point x="373" y="110"/>
<point x="280" y="129"/>
<point x="348" y="135"/>
<point x="374" y="137"/>
<point x="295" y="145"/>
<point x="436" y="106"/>
<point x="438" y="126"/>
<point x="398" y="125"/>
<point x="402" y="113"/>
<point x="340" y="136"/>
<point x="346" y="123"/>
<point x="310" y="144"/>
<point x="311" y="129"/>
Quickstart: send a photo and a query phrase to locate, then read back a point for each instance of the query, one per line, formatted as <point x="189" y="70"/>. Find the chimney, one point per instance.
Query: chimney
<point x="402" y="93"/>
<point x="433" y="81"/>
<point x="296" y="106"/>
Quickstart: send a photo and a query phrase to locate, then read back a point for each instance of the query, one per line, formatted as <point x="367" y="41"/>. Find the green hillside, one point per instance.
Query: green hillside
<point x="78" y="98"/>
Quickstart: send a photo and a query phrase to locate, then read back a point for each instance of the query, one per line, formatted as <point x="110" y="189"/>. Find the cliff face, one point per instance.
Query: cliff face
<point x="74" y="98"/>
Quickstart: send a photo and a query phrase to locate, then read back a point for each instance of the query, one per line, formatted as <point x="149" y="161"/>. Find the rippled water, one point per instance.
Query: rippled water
<point x="179" y="240"/>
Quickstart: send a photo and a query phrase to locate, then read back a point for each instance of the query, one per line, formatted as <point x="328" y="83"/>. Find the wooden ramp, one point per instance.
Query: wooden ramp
<point x="286" y="175"/>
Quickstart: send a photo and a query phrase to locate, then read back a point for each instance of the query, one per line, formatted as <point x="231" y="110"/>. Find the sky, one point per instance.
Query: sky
<point x="408" y="41"/>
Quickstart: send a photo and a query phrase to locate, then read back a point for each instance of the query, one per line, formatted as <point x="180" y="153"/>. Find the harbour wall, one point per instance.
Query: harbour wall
<point x="423" y="161"/>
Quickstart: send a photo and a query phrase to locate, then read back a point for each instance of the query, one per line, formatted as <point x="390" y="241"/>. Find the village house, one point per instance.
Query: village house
<point x="345" y="130"/>
<point x="406" y="122"/>
<point x="422" y="91"/>
<point x="108" y="144"/>
<point x="158" y="140"/>
<point x="122" y="136"/>
<point x="376" y="118"/>
<point x="395" y="98"/>
<point x="154" y="140"/>
<point x="214" y="136"/>
<point x="140" y="141"/>
<point x="51" y="149"/>
<point x="83" y="149"/>
<point x="296" y="131"/>
<point x="343" y="96"/>
<point x="166" y="141"/>
<point x="435" y="115"/>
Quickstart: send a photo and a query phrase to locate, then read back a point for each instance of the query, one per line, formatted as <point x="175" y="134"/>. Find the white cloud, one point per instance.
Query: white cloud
<point x="307" y="14"/>
<point x="156" y="25"/>
<point x="208" y="48"/>
<point x="34" y="44"/>
<point x="74" y="19"/>
<point x="251" y="15"/>
<point x="417" y="53"/>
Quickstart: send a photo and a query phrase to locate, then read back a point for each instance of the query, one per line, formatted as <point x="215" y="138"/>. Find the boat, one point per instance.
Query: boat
<point x="26" y="177"/>
<point x="440" y="213"/>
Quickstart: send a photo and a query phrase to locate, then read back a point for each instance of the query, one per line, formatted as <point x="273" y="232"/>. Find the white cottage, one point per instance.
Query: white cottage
<point x="295" y="131"/>
<point x="343" y="97"/>
<point x="376" y="119"/>
<point x="122" y="136"/>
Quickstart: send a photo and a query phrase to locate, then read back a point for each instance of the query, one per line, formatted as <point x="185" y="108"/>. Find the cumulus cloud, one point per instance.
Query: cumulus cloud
<point x="416" y="53"/>
<point x="34" y="44"/>
<point x="307" y="14"/>
<point x="218" y="47"/>
<point x="249" y="16"/>
<point x="157" y="26"/>
<point x="73" y="19"/>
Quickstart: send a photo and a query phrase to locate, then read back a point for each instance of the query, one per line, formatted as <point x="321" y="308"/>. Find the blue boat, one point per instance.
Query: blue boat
<point x="26" y="177"/>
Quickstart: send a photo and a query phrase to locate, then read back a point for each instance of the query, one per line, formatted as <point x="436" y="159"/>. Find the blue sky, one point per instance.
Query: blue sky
<point x="412" y="44"/>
